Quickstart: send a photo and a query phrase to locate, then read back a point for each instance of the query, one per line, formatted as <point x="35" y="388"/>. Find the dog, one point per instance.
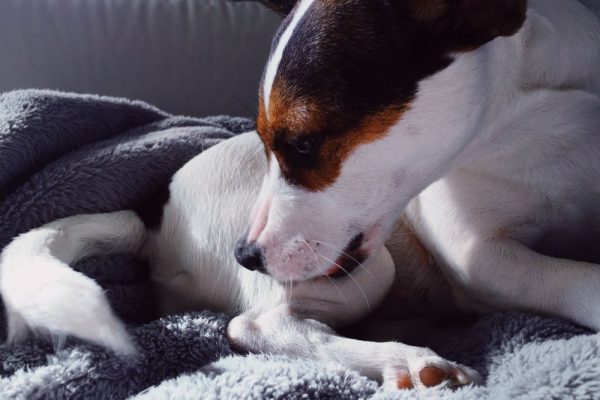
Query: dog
<point x="478" y="121"/>
<point x="193" y="267"/>
<point x="467" y="127"/>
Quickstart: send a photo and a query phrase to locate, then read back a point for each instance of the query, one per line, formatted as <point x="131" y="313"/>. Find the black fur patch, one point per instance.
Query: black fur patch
<point x="151" y="208"/>
<point x="360" y="56"/>
<point x="357" y="58"/>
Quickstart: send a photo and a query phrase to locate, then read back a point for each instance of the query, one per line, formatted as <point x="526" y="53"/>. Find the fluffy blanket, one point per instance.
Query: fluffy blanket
<point x="64" y="154"/>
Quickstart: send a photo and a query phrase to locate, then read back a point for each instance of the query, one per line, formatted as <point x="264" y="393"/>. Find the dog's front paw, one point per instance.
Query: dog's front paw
<point x="245" y="335"/>
<point x="422" y="368"/>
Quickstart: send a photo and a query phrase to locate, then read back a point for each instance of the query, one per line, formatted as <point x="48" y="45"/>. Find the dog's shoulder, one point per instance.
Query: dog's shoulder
<point x="558" y="46"/>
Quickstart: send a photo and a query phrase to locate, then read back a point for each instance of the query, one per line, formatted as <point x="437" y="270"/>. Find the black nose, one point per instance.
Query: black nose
<point x="249" y="255"/>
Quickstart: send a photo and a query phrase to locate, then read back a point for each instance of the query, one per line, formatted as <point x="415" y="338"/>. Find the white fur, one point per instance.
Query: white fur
<point x="496" y="151"/>
<point x="41" y="292"/>
<point x="499" y="148"/>
<point x="193" y="267"/>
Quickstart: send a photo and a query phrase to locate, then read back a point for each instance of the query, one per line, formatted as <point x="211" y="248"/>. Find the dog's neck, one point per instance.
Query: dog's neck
<point x="502" y="91"/>
<point x="463" y="103"/>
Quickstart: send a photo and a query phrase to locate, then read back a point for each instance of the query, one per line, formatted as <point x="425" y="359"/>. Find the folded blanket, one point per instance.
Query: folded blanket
<point x="64" y="154"/>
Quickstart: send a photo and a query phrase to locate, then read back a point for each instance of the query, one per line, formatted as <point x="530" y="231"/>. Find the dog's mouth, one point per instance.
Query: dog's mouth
<point x="351" y="258"/>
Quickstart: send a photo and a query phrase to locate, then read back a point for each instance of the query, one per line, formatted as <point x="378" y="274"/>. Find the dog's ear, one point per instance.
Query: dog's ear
<point x="468" y="24"/>
<point x="283" y="7"/>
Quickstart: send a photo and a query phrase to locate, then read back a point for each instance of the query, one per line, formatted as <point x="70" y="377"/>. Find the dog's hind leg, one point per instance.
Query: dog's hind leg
<point x="43" y="293"/>
<point x="507" y="275"/>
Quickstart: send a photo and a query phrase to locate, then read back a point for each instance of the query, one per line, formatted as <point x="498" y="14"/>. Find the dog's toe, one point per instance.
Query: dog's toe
<point x="404" y="381"/>
<point x="448" y="374"/>
<point x="243" y="333"/>
<point x="462" y="375"/>
<point x="424" y="369"/>
<point x="433" y="376"/>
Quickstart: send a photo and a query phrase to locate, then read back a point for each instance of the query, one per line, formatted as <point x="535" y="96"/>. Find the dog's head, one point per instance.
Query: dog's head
<point x="349" y="127"/>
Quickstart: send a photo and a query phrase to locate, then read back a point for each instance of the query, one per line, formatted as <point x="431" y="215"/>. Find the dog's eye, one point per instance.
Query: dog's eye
<point x="303" y="145"/>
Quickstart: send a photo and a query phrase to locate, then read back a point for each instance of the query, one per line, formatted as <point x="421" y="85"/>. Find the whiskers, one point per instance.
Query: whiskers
<point x="342" y="269"/>
<point x="346" y="254"/>
<point x="328" y="278"/>
<point x="311" y="249"/>
<point x="351" y="277"/>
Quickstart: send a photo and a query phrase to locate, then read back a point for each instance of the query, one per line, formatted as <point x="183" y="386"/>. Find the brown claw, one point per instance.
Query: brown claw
<point x="433" y="376"/>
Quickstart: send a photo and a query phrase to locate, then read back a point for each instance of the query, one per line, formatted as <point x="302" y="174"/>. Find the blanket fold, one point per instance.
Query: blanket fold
<point x="65" y="154"/>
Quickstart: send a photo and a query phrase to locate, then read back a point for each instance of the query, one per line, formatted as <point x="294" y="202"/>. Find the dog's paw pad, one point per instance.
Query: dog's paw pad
<point x="433" y="376"/>
<point x="404" y="381"/>
<point x="451" y="375"/>
<point x="429" y="371"/>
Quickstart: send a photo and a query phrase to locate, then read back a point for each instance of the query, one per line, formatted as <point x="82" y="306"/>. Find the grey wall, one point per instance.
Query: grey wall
<point x="193" y="57"/>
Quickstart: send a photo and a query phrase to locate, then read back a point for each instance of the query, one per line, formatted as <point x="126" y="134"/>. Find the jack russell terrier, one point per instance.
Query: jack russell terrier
<point x="445" y="148"/>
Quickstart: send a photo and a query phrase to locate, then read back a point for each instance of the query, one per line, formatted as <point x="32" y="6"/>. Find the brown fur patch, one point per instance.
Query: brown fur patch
<point x="287" y="115"/>
<point x="337" y="149"/>
<point x="294" y="117"/>
<point x="419" y="285"/>
<point x="412" y="244"/>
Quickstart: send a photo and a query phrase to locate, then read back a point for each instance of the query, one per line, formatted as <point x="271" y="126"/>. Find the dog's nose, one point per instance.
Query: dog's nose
<point x="249" y="255"/>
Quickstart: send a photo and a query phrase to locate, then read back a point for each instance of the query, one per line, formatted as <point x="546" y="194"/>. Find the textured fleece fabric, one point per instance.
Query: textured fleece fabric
<point x="65" y="154"/>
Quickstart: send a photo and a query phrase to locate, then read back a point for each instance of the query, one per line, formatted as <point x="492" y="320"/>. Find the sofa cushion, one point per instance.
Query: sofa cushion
<point x="194" y="57"/>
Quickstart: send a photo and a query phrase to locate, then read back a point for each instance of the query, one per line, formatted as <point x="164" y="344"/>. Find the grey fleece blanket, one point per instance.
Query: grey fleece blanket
<point x="64" y="154"/>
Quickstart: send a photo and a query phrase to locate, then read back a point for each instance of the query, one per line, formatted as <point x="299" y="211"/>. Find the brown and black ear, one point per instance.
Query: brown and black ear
<point x="282" y="7"/>
<point x="468" y="24"/>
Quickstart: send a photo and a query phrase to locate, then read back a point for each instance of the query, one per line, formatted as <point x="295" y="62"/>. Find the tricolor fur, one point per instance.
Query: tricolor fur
<point x="193" y="268"/>
<point x="365" y="104"/>
<point x="461" y="134"/>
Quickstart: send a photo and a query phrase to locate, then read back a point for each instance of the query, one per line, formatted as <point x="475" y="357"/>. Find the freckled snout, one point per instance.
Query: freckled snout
<point x="249" y="255"/>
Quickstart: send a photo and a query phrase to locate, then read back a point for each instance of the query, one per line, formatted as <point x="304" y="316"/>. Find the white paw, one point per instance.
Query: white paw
<point x="245" y="335"/>
<point x="238" y="332"/>
<point x="421" y="368"/>
<point x="275" y="332"/>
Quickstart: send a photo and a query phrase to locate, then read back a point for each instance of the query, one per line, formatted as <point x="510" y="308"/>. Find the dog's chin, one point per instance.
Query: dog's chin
<point x="351" y="258"/>
<point x="346" y="264"/>
<point x="286" y="275"/>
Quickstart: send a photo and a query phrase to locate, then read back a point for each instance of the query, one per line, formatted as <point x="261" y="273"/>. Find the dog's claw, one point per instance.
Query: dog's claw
<point x="460" y="378"/>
